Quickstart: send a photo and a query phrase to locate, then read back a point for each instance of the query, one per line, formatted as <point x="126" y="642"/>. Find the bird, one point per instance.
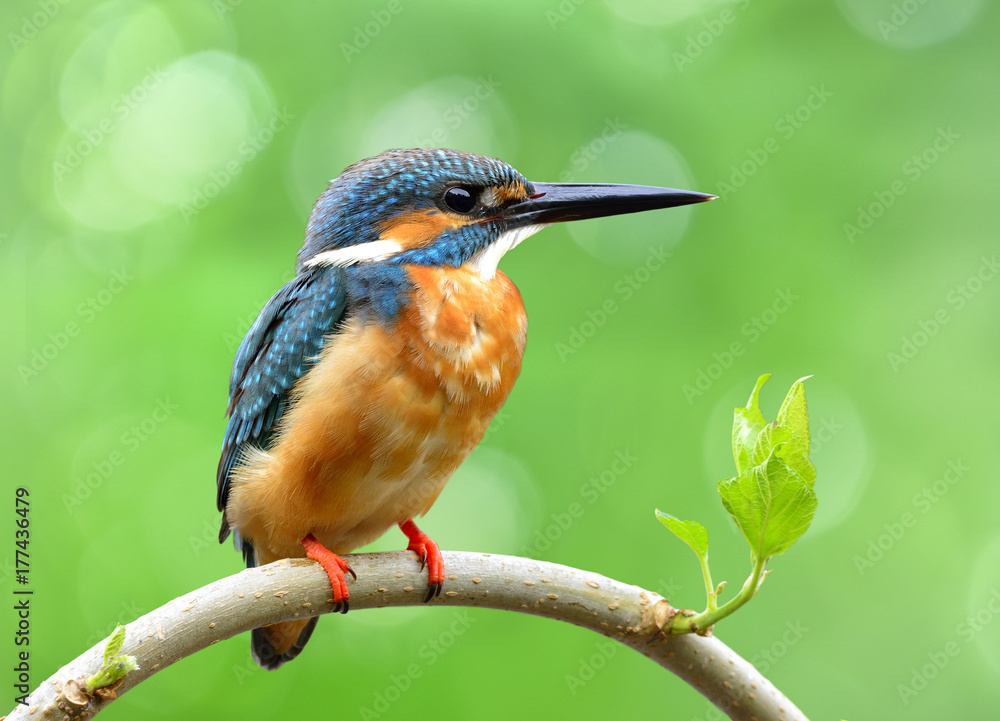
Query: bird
<point x="371" y="375"/>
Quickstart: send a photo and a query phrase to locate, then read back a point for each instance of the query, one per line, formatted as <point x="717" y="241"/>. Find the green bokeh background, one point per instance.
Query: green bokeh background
<point x="204" y="130"/>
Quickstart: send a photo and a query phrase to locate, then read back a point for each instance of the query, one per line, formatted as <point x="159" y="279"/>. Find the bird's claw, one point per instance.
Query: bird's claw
<point x="335" y="568"/>
<point x="433" y="591"/>
<point x="430" y="557"/>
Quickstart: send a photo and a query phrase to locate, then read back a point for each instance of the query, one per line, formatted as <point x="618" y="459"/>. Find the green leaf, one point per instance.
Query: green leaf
<point x="115" y="643"/>
<point x="793" y="415"/>
<point x="772" y="504"/>
<point x="793" y="411"/>
<point x="115" y="667"/>
<point x="784" y="444"/>
<point x="111" y="673"/>
<point x="747" y="424"/>
<point x="691" y="532"/>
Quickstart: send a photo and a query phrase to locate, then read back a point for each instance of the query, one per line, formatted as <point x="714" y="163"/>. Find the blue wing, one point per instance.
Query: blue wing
<point x="280" y="347"/>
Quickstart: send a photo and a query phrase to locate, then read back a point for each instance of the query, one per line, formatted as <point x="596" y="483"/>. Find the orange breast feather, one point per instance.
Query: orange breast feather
<point x="385" y="417"/>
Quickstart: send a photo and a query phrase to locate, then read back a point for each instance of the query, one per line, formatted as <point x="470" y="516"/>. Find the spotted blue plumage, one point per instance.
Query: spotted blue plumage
<point x="280" y="347"/>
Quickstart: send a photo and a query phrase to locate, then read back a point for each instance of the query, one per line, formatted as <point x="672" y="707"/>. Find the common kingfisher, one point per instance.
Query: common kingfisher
<point x="370" y="376"/>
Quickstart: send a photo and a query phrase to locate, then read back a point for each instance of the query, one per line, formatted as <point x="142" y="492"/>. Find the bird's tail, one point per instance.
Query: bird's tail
<point x="272" y="646"/>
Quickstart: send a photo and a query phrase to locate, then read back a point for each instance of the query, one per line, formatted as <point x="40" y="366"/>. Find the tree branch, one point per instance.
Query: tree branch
<point x="290" y="589"/>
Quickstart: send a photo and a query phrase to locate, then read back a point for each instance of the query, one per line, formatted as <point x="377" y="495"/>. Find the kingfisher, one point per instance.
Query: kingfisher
<point x="369" y="377"/>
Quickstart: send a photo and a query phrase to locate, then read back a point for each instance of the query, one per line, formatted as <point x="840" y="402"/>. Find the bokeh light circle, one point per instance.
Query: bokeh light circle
<point x="464" y="113"/>
<point x="910" y="23"/>
<point x="984" y="604"/>
<point x="458" y="112"/>
<point x="655" y="12"/>
<point x="619" y="154"/>
<point x="173" y="140"/>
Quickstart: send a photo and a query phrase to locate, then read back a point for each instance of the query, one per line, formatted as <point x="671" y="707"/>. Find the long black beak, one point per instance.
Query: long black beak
<point x="556" y="202"/>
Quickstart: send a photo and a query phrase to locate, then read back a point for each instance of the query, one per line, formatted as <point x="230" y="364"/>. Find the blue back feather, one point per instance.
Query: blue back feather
<point x="279" y="348"/>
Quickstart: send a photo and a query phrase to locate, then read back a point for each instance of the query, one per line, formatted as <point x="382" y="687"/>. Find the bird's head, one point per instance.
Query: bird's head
<point x="444" y="207"/>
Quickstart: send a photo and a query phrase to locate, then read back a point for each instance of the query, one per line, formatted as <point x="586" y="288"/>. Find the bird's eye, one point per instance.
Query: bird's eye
<point x="459" y="199"/>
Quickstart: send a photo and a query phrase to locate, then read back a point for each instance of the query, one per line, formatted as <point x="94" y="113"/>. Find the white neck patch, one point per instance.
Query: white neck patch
<point x="353" y="254"/>
<point x="485" y="262"/>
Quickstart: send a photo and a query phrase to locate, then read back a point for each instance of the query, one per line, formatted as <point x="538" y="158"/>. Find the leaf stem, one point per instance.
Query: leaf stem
<point x="701" y="622"/>
<point x="709" y="586"/>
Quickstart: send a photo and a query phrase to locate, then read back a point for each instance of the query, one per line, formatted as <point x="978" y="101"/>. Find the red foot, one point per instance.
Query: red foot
<point x="335" y="566"/>
<point x="430" y="556"/>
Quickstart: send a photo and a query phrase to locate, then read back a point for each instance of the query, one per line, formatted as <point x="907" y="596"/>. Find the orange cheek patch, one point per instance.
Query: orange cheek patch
<point x="418" y="228"/>
<point x="511" y="191"/>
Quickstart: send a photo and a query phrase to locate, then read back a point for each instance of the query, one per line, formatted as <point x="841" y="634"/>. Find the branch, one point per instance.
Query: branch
<point x="297" y="588"/>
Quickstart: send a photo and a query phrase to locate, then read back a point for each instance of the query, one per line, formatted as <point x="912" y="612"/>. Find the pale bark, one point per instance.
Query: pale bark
<point x="292" y="589"/>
